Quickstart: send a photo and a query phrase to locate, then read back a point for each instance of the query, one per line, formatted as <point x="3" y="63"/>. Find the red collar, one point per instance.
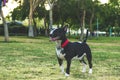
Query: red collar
<point x="65" y="43"/>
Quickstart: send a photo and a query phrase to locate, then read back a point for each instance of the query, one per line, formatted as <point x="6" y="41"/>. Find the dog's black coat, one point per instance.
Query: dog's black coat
<point x="72" y="49"/>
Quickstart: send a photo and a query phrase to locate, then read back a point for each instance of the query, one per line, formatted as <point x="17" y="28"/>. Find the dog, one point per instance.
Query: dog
<point x="68" y="50"/>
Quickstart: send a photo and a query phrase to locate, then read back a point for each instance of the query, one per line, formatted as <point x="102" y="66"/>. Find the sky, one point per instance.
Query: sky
<point x="104" y="1"/>
<point x="9" y="7"/>
<point x="12" y="4"/>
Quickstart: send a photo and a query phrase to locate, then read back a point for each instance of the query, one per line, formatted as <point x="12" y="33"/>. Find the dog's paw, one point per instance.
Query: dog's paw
<point x="84" y="70"/>
<point x="62" y="69"/>
<point x="67" y="75"/>
<point x="90" y="71"/>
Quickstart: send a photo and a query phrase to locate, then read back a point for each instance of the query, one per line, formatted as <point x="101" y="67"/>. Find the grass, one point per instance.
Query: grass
<point x="34" y="59"/>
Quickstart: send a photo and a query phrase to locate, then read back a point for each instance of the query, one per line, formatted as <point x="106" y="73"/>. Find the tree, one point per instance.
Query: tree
<point x="22" y="11"/>
<point x="77" y="13"/>
<point x="83" y="20"/>
<point x="108" y="15"/>
<point x="33" y="5"/>
<point x="6" y="33"/>
<point x="81" y="15"/>
<point x="91" y="7"/>
<point x="50" y="3"/>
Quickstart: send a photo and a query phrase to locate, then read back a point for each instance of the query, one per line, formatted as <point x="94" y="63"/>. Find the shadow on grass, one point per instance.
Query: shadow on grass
<point x="11" y="42"/>
<point x="84" y="76"/>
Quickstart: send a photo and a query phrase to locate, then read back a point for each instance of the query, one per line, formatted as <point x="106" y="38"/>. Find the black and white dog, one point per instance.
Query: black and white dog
<point x="68" y="50"/>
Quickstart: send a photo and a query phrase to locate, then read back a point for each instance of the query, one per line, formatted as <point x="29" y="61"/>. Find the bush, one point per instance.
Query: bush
<point x="14" y="29"/>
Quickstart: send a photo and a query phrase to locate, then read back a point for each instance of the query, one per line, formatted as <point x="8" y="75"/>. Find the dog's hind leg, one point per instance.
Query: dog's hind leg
<point x="89" y="58"/>
<point x="84" y="65"/>
<point x="60" y="61"/>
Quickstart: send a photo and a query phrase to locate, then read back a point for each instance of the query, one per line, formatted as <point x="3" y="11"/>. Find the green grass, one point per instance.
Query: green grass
<point x="26" y="58"/>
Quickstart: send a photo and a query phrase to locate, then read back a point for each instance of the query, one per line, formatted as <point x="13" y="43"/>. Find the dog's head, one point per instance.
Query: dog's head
<point x="58" y="34"/>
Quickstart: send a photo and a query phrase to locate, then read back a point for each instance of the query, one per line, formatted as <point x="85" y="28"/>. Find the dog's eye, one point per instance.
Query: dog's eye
<point x="50" y="35"/>
<point x="54" y="35"/>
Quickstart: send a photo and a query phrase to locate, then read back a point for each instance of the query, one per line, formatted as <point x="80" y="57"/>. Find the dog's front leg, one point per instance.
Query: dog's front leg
<point x="68" y="68"/>
<point x="60" y="61"/>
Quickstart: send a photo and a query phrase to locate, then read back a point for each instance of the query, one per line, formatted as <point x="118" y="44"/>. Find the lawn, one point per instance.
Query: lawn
<point x="26" y="58"/>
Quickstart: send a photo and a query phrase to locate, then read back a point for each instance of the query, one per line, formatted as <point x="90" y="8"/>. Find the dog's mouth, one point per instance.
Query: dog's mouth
<point x="54" y="39"/>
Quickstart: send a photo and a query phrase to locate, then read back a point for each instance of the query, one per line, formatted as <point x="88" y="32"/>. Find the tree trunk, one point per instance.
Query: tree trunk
<point x="46" y="29"/>
<point x="91" y="20"/>
<point x="51" y="18"/>
<point x="33" y="5"/>
<point x="6" y="33"/>
<point x="83" y="25"/>
<point x="31" y="30"/>
<point x="35" y="27"/>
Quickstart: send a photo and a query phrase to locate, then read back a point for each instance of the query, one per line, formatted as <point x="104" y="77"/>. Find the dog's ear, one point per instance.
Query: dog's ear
<point x="65" y="28"/>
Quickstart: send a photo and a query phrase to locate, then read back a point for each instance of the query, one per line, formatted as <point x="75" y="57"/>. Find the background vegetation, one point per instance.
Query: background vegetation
<point x="77" y="14"/>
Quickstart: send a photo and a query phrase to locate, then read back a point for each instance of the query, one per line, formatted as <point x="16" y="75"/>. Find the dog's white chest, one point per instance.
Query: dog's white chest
<point x="59" y="54"/>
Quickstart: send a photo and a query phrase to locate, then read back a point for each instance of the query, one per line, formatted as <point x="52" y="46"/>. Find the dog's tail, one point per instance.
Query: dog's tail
<point x="86" y="36"/>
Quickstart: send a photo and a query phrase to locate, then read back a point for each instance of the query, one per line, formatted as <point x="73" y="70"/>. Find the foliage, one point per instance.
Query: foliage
<point x="14" y="29"/>
<point x="71" y="12"/>
<point x="21" y="12"/>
